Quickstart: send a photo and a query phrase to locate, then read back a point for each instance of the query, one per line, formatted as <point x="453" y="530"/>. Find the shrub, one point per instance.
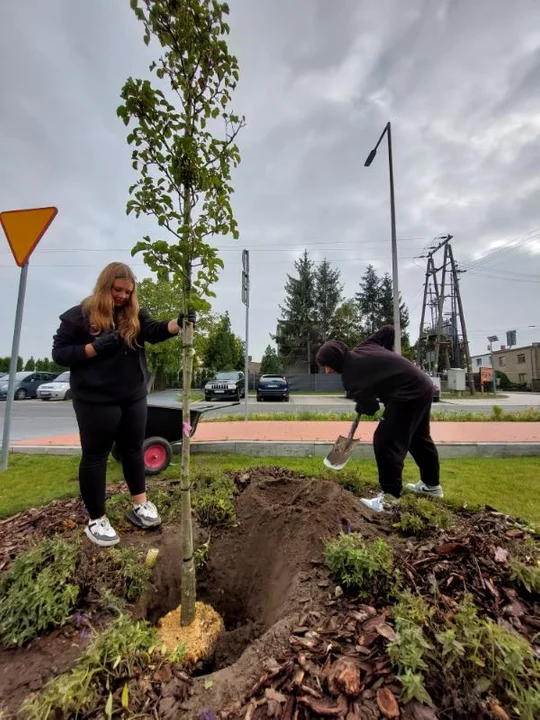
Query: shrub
<point x="366" y="567"/>
<point x="421" y="515"/>
<point x="36" y="593"/>
<point x="110" y="658"/>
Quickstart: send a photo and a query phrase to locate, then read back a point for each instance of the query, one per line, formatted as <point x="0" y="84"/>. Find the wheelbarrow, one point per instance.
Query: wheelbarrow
<point x="164" y="429"/>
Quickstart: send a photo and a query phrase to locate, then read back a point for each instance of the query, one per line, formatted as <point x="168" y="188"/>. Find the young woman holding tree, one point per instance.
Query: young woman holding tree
<point x="102" y="341"/>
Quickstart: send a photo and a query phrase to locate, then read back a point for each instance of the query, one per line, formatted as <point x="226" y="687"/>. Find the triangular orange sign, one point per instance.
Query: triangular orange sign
<point x="25" y="228"/>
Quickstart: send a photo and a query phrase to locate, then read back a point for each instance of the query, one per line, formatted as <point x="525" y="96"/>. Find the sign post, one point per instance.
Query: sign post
<point x="23" y="229"/>
<point x="245" y="300"/>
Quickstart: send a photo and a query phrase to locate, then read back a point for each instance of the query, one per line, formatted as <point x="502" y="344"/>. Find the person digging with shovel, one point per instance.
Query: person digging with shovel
<point x="373" y="372"/>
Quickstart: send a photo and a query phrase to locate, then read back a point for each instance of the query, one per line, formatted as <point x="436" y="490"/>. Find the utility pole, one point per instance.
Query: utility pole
<point x="468" y="361"/>
<point x="395" y="283"/>
<point x="447" y="332"/>
<point x="492" y="339"/>
<point x="245" y="300"/>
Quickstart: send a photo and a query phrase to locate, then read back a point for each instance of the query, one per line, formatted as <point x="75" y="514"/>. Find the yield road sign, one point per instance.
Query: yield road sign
<point x="25" y="228"/>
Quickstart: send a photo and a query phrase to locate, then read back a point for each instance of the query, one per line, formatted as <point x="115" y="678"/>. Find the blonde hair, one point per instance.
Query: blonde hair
<point x="99" y="306"/>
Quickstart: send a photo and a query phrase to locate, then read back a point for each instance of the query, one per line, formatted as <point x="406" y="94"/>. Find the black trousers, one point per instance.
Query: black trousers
<point x="405" y="427"/>
<point x="100" y="425"/>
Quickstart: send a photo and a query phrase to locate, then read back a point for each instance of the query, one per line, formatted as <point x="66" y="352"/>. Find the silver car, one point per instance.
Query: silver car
<point x="57" y="390"/>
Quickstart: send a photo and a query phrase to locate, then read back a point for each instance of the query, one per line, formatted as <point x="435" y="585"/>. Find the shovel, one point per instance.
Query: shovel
<point x="343" y="448"/>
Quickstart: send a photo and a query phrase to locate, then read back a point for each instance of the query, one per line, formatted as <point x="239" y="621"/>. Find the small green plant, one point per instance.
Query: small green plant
<point x="201" y="555"/>
<point x="213" y="498"/>
<point x="132" y="574"/>
<point x="463" y="653"/>
<point x="36" y="593"/>
<point x="178" y="654"/>
<point x="528" y="576"/>
<point x="411" y="650"/>
<point x="111" y="658"/>
<point x="111" y="578"/>
<point x="419" y="515"/>
<point x="111" y="602"/>
<point x="366" y="567"/>
<point x="497" y="412"/>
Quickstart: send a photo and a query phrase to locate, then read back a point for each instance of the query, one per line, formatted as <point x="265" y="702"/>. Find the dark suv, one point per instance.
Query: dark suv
<point x="272" y="387"/>
<point x="228" y="385"/>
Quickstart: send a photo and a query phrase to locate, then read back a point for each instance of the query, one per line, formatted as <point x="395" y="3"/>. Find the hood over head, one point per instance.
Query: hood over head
<point x="332" y="354"/>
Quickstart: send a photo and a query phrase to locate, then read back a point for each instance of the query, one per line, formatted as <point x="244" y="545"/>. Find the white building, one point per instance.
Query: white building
<point x="478" y="361"/>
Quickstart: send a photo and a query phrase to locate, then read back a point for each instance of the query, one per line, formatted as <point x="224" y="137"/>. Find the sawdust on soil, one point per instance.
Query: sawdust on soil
<point x="197" y="641"/>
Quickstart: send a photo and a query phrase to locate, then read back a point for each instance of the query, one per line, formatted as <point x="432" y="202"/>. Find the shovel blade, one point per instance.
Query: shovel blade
<point x="340" y="454"/>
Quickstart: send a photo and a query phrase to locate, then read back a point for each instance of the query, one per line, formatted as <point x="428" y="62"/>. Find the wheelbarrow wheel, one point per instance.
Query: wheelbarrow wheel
<point x="115" y="453"/>
<point x="157" y="453"/>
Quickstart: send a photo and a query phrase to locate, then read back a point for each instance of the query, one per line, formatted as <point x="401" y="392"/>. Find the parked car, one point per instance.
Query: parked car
<point x="228" y="384"/>
<point x="26" y="384"/>
<point x="58" y="389"/>
<point x="273" y="387"/>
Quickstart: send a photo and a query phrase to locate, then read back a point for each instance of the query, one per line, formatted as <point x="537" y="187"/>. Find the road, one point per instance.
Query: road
<point x="35" y="418"/>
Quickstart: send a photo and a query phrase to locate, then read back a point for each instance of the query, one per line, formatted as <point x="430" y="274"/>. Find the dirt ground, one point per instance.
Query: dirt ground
<point x="284" y="617"/>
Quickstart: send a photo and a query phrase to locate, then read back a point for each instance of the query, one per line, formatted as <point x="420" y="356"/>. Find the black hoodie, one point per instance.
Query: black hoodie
<point x="372" y="371"/>
<point x="115" y="377"/>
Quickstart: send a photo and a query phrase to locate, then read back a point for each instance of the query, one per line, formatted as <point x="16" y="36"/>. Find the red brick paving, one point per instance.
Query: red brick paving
<point x="319" y="431"/>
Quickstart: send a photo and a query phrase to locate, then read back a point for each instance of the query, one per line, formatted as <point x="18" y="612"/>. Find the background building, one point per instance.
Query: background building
<point x="520" y="364"/>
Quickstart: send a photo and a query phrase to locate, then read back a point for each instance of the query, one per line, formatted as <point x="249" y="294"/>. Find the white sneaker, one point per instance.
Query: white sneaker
<point x="146" y="514"/>
<point x="101" y="532"/>
<point x="420" y="488"/>
<point x="380" y="503"/>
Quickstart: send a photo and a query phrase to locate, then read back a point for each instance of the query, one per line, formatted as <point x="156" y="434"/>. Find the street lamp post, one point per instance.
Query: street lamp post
<point x="491" y="340"/>
<point x="397" y="321"/>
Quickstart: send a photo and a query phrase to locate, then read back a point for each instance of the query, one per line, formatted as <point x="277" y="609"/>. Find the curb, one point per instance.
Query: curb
<point x="274" y="448"/>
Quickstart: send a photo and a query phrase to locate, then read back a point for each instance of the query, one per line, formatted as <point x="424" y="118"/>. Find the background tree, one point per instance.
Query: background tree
<point x="224" y="350"/>
<point x="376" y="305"/>
<point x="328" y="295"/>
<point x="386" y="301"/>
<point x="368" y="299"/>
<point x="184" y="167"/>
<point x="5" y="362"/>
<point x="160" y="298"/>
<point x="297" y="331"/>
<point x="30" y="364"/>
<point x="346" y="325"/>
<point x="270" y="363"/>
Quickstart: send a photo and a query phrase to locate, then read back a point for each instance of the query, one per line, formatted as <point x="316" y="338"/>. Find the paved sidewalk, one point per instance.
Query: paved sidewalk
<point x="294" y="431"/>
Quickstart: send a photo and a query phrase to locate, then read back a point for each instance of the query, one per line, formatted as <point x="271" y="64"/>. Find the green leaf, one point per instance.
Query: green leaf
<point x="208" y="684"/>
<point x="125" y="696"/>
<point x="109" y="706"/>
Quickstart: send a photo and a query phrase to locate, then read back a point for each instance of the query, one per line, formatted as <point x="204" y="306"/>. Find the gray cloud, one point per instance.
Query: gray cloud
<point x="319" y="80"/>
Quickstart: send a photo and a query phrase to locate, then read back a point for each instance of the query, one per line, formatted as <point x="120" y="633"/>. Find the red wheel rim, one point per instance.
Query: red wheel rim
<point x="155" y="456"/>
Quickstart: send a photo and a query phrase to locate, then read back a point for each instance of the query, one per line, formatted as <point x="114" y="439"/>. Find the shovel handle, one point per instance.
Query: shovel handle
<point x="354" y="426"/>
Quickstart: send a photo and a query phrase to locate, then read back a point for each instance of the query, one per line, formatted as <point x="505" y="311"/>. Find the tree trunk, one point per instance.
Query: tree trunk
<point x="188" y="591"/>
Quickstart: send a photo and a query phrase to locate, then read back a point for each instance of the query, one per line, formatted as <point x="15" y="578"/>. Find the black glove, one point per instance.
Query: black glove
<point x="191" y="316"/>
<point x="107" y="342"/>
<point x="367" y="408"/>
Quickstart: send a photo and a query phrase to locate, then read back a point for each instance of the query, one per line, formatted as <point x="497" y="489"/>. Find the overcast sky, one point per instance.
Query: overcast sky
<point x="459" y="80"/>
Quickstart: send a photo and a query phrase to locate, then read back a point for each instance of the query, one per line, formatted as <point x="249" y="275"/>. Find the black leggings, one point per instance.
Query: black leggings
<point x="100" y="425"/>
<point x="405" y="427"/>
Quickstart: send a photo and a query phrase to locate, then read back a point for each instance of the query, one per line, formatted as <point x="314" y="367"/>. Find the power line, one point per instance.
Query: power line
<point x="346" y="245"/>
<point x="285" y="261"/>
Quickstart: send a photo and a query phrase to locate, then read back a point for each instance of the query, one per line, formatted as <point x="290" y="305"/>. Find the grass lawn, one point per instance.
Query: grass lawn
<point x="476" y="396"/>
<point x="511" y="485"/>
<point x="496" y="415"/>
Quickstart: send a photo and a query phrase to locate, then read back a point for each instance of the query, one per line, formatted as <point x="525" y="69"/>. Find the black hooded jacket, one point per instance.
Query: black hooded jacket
<point x="373" y="372"/>
<point x="115" y="377"/>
